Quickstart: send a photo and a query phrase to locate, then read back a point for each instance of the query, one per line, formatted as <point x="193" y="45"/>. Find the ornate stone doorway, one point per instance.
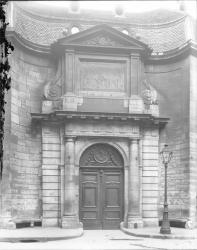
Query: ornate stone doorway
<point x="101" y="195"/>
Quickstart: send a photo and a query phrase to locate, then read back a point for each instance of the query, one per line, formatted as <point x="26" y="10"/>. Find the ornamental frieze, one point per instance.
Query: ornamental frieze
<point x="101" y="41"/>
<point x="101" y="128"/>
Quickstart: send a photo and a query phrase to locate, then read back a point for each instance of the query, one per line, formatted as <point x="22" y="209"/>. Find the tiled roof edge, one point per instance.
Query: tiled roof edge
<point x="44" y="49"/>
<point x="38" y="17"/>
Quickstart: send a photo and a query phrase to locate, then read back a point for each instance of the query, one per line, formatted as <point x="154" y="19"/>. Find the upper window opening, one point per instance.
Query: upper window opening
<point x="74" y="30"/>
<point x="125" y="31"/>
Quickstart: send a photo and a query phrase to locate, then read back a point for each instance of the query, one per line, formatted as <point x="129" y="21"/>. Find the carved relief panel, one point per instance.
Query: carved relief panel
<point x="102" y="76"/>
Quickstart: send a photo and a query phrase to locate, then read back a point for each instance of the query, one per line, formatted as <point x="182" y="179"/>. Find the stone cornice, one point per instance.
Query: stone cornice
<point x="189" y="47"/>
<point x="61" y="115"/>
<point x="32" y="47"/>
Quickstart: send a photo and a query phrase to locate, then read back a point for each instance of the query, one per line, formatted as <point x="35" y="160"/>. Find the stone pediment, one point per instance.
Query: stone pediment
<point x="102" y="36"/>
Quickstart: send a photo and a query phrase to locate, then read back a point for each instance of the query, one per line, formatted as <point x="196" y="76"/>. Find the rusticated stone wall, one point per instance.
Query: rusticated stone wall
<point x="51" y="159"/>
<point x="171" y="80"/>
<point x="22" y="167"/>
<point x="150" y="173"/>
<point x="193" y="139"/>
<point x="5" y="185"/>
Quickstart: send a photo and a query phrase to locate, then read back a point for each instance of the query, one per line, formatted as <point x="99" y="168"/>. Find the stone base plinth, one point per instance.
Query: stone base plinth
<point x="71" y="102"/>
<point x="151" y="222"/>
<point x="154" y="109"/>
<point x="135" y="222"/>
<point x="71" y="222"/>
<point x="136" y="104"/>
<point x="49" y="222"/>
<point x="47" y="106"/>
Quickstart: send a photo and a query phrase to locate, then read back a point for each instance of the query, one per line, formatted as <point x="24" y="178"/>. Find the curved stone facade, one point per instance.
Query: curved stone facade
<point x="98" y="86"/>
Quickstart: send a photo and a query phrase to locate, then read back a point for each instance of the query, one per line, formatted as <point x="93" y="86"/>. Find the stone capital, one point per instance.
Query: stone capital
<point x="133" y="140"/>
<point x="69" y="138"/>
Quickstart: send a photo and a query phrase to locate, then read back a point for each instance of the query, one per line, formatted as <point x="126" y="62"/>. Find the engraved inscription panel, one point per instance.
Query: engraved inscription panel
<point x="102" y="76"/>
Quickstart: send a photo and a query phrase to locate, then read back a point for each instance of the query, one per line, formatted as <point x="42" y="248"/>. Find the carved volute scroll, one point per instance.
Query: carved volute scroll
<point x="101" y="155"/>
<point x="53" y="88"/>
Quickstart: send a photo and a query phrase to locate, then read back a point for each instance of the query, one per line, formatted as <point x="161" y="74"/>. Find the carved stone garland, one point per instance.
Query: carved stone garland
<point x="101" y="155"/>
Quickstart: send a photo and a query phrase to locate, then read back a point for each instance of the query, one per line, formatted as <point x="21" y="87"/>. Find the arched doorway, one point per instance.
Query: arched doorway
<point x="101" y="195"/>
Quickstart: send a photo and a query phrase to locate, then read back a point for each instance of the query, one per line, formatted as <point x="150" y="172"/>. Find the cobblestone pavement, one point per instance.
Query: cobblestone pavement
<point x="100" y="240"/>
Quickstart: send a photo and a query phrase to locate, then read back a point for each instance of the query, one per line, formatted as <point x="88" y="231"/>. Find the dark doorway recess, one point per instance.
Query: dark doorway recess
<point x="101" y="188"/>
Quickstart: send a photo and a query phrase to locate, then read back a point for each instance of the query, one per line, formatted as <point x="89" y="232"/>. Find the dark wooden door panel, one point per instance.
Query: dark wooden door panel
<point x="101" y="198"/>
<point x="113" y="201"/>
<point x="89" y="200"/>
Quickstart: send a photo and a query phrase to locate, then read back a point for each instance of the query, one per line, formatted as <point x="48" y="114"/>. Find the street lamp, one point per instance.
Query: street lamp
<point x="166" y="157"/>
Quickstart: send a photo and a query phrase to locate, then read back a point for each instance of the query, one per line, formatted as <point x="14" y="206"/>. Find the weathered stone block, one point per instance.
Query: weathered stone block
<point x="136" y="104"/>
<point x="149" y="193"/>
<point x="50" y="222"/>
<point x="50" y="178"/>
<point x="51" y="199"/>
<point x="145" y="168"/>
<point x="51" y="154"/>
<point x="50" y="214"/>
<point x="54" y="172"/>
<point x="51" y="161"/>
<point x="149" y="214"/>
<point x="47" y="106"/>
<point x="50" y="140"/>
<point x="150" y="180"/>
<point x="51" y="146"/>
<point x="149" y="173"/>
<point x="151" y="156"/>
<point x="50" y="207"/>
<point x="149" y="200"/>
<point x="150" y="187"/>
<point x="71" y="102"/>
<point x="150" y="162"/>
<point x="147" y="143"/>
<point x="47" y="185"/>
<point x="52" y="192"/>
<point x="15" y="118"/>
<point x="51" y="166"/>
<point x="149" y="207"/>
<point x="151" y="222"/>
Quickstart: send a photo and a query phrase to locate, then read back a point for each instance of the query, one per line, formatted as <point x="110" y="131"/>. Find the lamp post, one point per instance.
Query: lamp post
<point x="166" y="157"/>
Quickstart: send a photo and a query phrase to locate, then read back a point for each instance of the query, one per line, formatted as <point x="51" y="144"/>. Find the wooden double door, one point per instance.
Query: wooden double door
<point x="101" y="197"/>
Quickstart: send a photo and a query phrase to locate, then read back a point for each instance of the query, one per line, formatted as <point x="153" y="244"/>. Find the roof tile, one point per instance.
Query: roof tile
<point x="46" y="31"/>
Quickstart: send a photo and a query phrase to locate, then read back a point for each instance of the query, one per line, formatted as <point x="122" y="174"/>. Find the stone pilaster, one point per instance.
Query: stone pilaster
<point x="134" y="214"/>
<point x="136" y="104"/>
<point x="70" y="217"/>
<point x="70" y="100"/>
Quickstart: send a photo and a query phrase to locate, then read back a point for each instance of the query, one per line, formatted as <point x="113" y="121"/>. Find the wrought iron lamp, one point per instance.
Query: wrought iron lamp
<point x="166" y="157"/>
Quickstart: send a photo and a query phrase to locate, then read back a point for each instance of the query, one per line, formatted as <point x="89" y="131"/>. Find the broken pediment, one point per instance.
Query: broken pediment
<point x="102" y="36"/>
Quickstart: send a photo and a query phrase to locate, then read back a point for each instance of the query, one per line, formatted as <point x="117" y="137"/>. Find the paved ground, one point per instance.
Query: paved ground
<point x="154" y="232"/>
<point x="106" y="239"/>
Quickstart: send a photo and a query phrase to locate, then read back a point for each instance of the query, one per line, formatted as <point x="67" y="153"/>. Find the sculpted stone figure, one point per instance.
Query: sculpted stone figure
<point x="149" y="94"/>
